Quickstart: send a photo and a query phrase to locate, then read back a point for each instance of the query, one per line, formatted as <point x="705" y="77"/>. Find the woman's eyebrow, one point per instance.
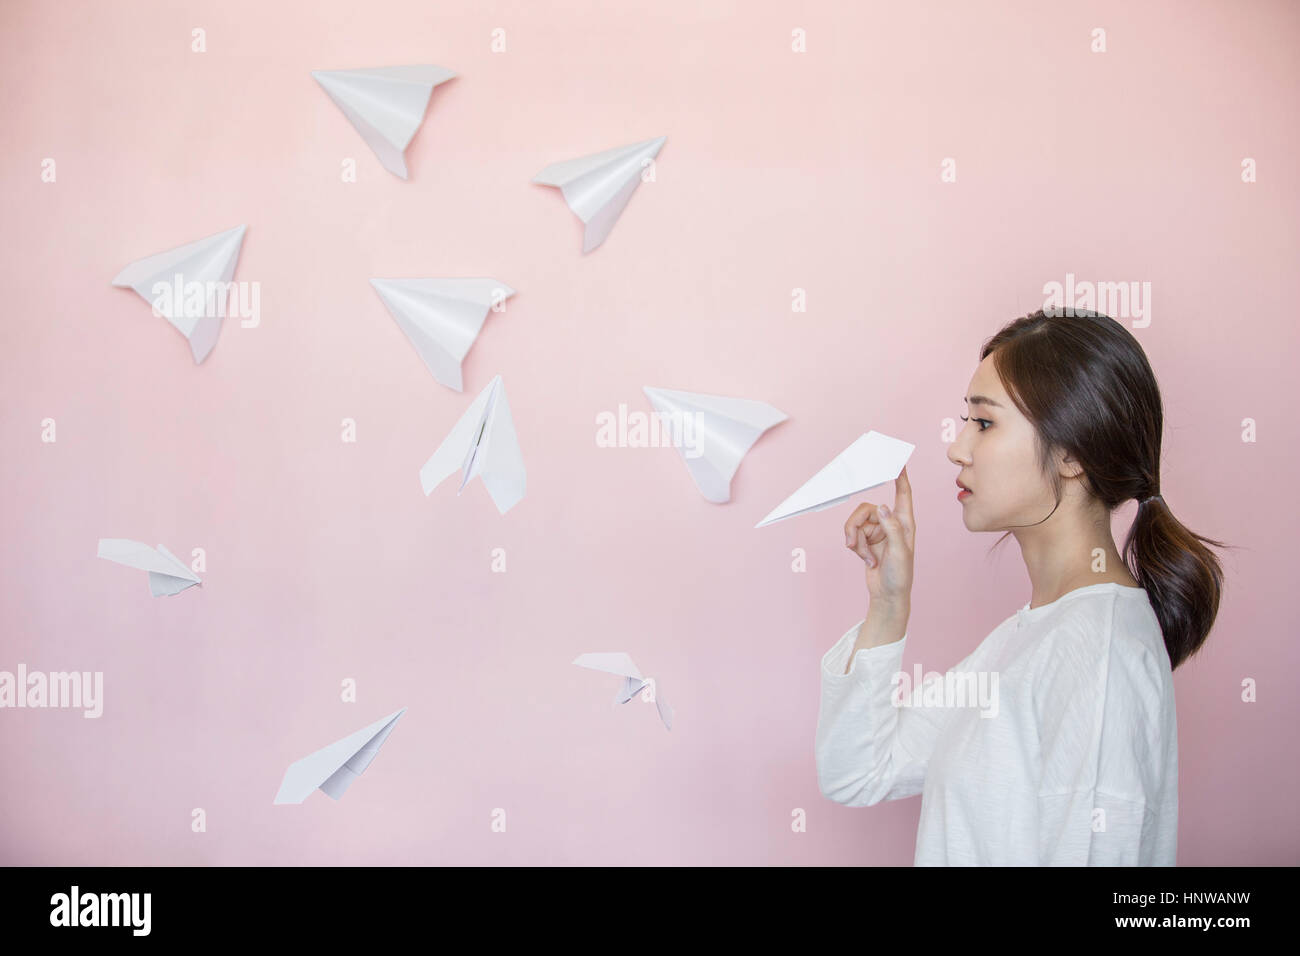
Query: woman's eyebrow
<point x="981" y="400"/>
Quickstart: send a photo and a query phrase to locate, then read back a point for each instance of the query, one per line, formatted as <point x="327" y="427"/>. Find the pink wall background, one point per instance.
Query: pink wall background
<point x="325" y="560"/>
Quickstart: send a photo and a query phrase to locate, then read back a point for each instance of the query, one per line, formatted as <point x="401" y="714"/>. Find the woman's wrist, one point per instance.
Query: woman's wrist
<point x="886" y="621"/>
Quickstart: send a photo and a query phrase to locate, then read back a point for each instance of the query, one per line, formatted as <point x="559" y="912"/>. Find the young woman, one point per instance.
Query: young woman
<point x="1077" y="764"/>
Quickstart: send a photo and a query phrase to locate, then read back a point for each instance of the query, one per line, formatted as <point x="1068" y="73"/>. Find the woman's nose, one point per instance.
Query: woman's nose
<point x="955" y="453"/>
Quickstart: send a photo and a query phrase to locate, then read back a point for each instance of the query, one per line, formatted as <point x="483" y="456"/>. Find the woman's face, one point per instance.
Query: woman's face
<point x="998" y="460"/>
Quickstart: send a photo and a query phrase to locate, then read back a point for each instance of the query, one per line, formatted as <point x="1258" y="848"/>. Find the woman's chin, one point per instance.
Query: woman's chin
<point x="972" y="521"/>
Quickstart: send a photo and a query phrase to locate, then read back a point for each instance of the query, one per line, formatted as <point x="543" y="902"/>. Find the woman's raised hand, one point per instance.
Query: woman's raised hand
<point x="885" y="539"/>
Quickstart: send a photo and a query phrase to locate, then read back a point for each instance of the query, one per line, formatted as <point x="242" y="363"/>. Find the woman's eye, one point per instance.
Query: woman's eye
<point x="985" y="421"/>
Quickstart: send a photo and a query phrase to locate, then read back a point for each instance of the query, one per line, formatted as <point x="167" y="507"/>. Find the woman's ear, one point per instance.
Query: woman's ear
<point x="1068" y="465"/>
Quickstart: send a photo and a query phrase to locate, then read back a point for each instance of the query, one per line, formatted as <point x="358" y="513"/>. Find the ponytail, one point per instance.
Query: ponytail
<point x="1182" y="577"/>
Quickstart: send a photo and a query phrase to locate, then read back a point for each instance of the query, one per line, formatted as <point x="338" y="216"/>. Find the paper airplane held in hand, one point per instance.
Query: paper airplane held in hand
<point x="871" y="460"/>
<point x="633" y="682"/>
<point x="717" y="433"/>
<point x="386" y="105"/>
<point x="483" y="443"/>
<point x="333" y="768"/>
<point x="167" y="574"/>
<point x="597" y="187"/>
<point x="210" y="262"/>
<point x="442" y="317"/>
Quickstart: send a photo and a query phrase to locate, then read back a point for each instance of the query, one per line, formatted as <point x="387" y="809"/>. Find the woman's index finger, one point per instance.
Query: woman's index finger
<point x="903" y="493"/>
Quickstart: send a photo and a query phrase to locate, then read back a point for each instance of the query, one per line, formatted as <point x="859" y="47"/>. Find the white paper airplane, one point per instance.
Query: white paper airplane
<point x="633" y="682"/>
<point x="167" y="574"/>
<point x="385" y="104"/>
<point x="712" y="433"/>
<point x="211" y="262"/>
<point x="442" y="317"/>
<point x="597" y="187"/>
<point x="333" y="768"/>
<point x="871" y="460"/>
<point x="483" y="443"/>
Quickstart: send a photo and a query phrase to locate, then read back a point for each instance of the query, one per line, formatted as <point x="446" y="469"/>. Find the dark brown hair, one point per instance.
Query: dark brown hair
<point x="1083" y="381"/>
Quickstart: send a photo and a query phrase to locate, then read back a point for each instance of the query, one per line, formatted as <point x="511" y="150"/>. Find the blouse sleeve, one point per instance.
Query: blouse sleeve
<point x="1097" y="710"/>
<point x="868" y="749"/>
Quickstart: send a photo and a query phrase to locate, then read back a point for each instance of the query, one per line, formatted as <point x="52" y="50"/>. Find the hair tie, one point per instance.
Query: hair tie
<point x="1145" y="500"/>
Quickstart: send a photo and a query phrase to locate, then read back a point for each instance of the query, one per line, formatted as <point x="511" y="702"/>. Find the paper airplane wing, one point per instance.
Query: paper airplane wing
<point x="386" y="105"/>
<point x="610" y="663"/>
<point x="498" y="458"/>
<point x="601" y="224"/>
<point x="167" y="574"/>
<point x="665" y="712"/>
<point x="620" y="664"/>
<point x="871" y="460"/>
<point x="441" y="317"/>
<point x="209" y="261"/>
<point x="598" y="187"/>
<point x="484" y="443"/>
<point x="455" y="451"/>
<point x="333" y="768"/>
<point x="723" y="431"/>
<point x="171" y="582"/>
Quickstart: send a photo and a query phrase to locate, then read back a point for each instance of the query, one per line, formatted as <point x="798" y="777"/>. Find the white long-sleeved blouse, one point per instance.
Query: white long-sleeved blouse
<point x="1062" y="752"/>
